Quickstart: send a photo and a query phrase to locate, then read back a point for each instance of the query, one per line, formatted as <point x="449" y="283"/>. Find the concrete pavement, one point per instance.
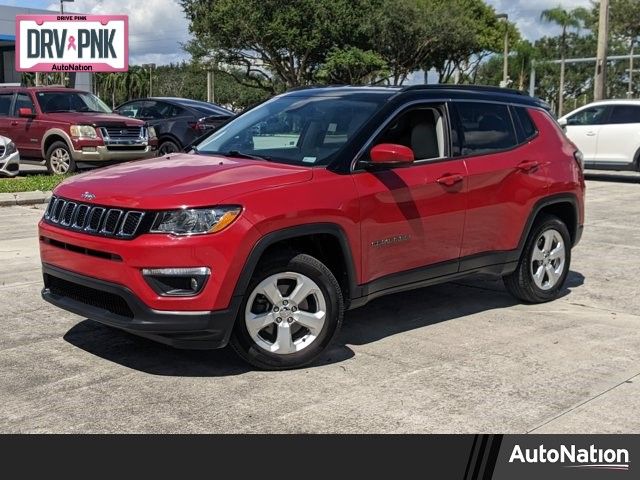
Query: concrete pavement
<point x="460" y="357"/>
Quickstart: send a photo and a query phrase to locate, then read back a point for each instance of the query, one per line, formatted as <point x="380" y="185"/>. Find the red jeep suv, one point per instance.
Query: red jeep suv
<point x="64" y="128"/>
<point x="263" y="240"/>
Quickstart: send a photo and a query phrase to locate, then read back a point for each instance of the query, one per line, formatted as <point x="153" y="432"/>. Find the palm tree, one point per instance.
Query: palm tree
<point x="566" y="19"/>
<point x="112" y="82"/>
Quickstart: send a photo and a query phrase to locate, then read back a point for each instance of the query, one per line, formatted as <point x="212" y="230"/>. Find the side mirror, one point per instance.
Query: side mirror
<point x="563" y="122"/>
<point x="26" y="112"/>
<point x="391" y="154"/>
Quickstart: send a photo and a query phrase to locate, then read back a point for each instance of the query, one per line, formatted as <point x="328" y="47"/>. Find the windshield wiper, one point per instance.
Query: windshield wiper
<point x="236" y="153"/>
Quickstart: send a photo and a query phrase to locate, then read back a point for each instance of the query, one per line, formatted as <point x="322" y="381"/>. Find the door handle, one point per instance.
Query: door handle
<point x="528" y="165"/>
<point x="591" y="134"/>
<point x="13" y="124"/>
<point x="450" y="180"/>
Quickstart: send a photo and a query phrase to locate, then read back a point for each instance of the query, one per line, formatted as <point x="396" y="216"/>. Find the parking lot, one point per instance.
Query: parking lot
<point x="460" y="357"/>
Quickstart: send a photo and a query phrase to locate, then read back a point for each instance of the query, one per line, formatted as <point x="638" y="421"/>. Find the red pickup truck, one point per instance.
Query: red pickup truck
<point x="64" y="128"/>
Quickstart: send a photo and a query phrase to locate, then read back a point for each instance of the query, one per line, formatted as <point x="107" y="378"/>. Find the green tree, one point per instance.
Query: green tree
<point x="353" y="66"/>
<point x="625" y="23"/>
<point x="274" y="43"/>
<point x="566" y="19"/>
<point x="470" y="32"/>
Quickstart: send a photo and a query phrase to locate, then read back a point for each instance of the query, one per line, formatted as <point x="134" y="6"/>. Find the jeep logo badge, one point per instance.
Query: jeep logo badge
<point x="88" y="196"/>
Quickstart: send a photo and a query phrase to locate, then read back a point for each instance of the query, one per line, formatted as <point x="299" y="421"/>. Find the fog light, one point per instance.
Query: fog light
<point x="177" y="282"/>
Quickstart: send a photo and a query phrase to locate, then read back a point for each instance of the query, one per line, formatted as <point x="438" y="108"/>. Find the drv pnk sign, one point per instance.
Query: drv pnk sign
<point x="72" y="43"/>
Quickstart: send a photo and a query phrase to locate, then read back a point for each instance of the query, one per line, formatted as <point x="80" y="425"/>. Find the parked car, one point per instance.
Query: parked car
<point x="607" y="133"/>
<point x="264" y="242"/>
<point x="65" y="129"/>
<point x="9" y="158"/>
<point x="177" y="121"/>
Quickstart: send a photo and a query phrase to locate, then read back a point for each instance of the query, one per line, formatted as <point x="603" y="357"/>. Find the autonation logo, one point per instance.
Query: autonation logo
<point x="573" y="457"/>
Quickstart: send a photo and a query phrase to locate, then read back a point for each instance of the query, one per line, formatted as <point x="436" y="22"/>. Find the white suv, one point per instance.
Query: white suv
<point x="607" y="133"/>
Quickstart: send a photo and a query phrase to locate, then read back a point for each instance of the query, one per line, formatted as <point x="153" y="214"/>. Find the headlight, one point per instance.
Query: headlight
<point x="195" y="221"/>
<point x="83" y="131"/>
<point x="152" y="132"/>
<point x="10" y="148"/>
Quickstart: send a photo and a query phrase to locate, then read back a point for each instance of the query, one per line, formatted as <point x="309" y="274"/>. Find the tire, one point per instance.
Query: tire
<point x="58" y="159"/>
<point x="538" y="254"/>
<point x="282" y="328"/>
<point x="167" y="147"/>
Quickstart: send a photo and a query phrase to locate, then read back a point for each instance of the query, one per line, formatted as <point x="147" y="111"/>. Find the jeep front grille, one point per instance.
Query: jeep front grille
<point x="94" y="219"/>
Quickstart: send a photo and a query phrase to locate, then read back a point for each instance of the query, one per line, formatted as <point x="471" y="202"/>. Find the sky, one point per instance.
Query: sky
<point x="158" y="27"/>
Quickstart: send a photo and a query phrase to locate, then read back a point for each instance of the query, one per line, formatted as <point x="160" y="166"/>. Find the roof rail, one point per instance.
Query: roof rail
<point x="481" y="88"/>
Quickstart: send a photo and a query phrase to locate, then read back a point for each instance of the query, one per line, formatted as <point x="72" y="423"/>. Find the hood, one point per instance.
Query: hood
<point x="179" y="180"/>
<point x="96" y="119"/>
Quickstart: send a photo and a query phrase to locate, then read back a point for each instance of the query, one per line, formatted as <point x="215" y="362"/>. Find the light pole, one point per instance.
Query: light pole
<point x="600" y="83"/>
<point x="62" y="13"/>
<point x="505" y="66"/>
<point x="150" y="66"/>
<point x="630" y="92"/>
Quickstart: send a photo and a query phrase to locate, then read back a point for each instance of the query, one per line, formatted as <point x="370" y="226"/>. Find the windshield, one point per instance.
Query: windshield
<point x="294" y="129"/>
<point x="71" y="102"/>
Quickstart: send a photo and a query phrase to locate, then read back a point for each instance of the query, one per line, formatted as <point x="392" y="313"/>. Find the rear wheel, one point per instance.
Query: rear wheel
<point x="59" y="160"/>
<point x="544" y="263"/>
<point x="292" y="311"/>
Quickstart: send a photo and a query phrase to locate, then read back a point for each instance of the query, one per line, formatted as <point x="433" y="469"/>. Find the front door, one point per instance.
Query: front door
<point x="413" y="216"/>
<point x="28" y="132"/>
<point x="583" y="128"/>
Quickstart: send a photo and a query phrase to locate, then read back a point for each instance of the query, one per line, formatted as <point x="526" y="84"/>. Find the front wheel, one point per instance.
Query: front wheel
<point x="167" y="147"/>
<point x="291" y="312"/>
<point x="544" y="264"/>
<point x="59" y="160"/>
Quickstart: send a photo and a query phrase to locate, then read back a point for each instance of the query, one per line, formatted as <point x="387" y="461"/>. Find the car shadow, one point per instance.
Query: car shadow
<point x="381" y="318"/>
<point x="612" y="177"/>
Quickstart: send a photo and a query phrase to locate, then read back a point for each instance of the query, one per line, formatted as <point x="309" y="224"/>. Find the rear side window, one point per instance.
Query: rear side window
<point x="526" y="128"/>
<point x="483" y="128"/>
<point x="5" y="103"/>
<point x="625" y="114"/>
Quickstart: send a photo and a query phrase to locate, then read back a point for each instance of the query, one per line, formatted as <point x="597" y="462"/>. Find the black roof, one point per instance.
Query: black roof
<point x="480" y="92"/>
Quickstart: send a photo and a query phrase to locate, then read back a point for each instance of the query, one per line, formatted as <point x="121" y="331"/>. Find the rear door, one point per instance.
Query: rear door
<point x="6" y="103"/>
<point x="413" y="216"/>
<point x="619" y="137"/>
<point x="506" y="175"/>
<point x="583" y="128"/>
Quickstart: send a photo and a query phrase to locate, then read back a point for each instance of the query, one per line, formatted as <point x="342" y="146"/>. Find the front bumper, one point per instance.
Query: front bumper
<point x="10" y="165"/>
<point x="117" y="306"/>
<point x="103" y="153"/>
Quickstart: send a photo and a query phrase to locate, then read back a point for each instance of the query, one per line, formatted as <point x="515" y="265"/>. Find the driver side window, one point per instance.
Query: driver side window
<point x="590" y="116"/>
<point x="421" y="129"/>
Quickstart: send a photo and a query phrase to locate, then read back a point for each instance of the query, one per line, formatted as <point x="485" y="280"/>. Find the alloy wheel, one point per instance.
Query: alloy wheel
<point x="548" y="259"/>
<point x="60" y="161"/>
<point x="285" y="313"/>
